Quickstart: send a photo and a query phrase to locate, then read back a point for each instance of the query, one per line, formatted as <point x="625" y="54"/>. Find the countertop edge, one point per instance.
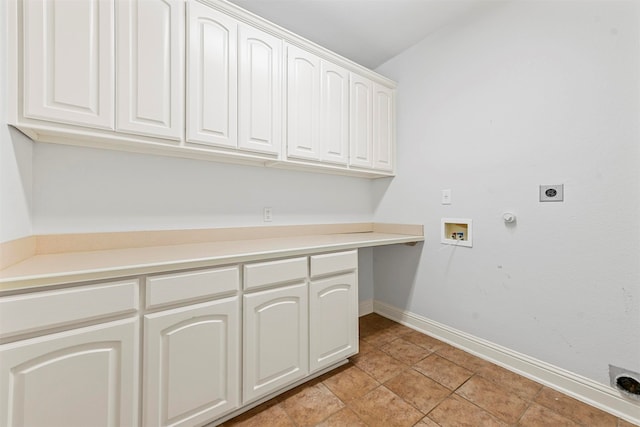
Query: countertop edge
<point x="25" y="282"/>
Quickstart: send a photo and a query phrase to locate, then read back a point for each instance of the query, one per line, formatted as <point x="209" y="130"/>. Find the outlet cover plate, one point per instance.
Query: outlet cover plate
<point x="552" y="193"/>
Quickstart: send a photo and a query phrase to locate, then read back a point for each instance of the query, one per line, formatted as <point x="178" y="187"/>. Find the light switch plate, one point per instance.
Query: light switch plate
<point x="446" y="197"/>
<point x="552" y="193"/>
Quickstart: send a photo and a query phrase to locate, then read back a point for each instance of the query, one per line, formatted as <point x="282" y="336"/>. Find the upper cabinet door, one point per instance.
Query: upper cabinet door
<point x="303" y="104"/>
<point x="334" y="114"/>
<point x="361" y="115"/>
<point x="384" y="130"/>
<point x="259" y="91"/>
<point x="212" y="89"/>
<point x="69" y="61"/>
<point x="150" y="49"/>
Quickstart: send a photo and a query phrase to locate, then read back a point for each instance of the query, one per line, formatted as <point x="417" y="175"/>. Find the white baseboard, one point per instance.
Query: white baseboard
<point x="584" y="389"/>
<point x="365" y="307"/>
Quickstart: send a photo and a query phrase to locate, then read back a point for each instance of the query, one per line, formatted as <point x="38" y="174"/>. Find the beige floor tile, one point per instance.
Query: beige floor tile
<point x="364" y="347"/>
<point x="383" y="336"/>
<point x="424" y="341"/>
<point x="443" y="371"/>
<point x="523" y="387"/>
<point x="574" y="409"/>
<point x="426" y="422"/>
<point x="311" y="405"/>
<point x="263" y="415"/>
<point x="452" y="387"/>
<point x="421" y="392"/>
<point x="623" y="423"/>
<point x="379" y="365"/>
<point x="405" y="351"/>
<point x="457" y="412"/>
<point x="343" y="418"/>
<point x="462" y="358"/>
<point x="496" y="400"/>
<point x="539" y="416"/>
<point x="382" y="408"/>
<point x="350" y="383"/>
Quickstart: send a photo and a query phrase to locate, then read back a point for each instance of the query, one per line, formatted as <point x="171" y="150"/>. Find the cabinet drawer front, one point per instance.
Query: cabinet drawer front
<point x="49" y="309"/>
<point x="171" y="288"/>
<point x="334" y="263"/>
<point x="263" y="274"/>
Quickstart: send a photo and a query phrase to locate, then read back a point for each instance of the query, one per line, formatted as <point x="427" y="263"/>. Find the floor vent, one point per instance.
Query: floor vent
<point x="626" y="381"/>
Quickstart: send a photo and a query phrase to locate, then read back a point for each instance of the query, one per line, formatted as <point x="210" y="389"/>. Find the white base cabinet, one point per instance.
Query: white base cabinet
<point x="275" y="340"/>
<point x="72" y="356"/>
<point x="333" y="308"/>
<point x="78" y="378"/>
<point x="191" y="365"/>
<point x="333" y="320"/>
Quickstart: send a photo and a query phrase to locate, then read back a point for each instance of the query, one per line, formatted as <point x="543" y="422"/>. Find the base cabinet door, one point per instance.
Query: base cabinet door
<point x="275" y="339"/>
<point x="78" y="378"/>
<point x="333" y="320"/>
<point x="191" y="373"/>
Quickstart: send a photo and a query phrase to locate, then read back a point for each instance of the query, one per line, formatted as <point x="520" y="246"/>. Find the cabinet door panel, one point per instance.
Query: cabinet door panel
<point x="68" y="61"/>
<point x="303" y="104"/>
<point x="333" y="320"/>
<point x="259" y="91"/>
<point x="212" y="77"/>
<point x="150" y="58"/>
<point x="275" y="339"/>
<point x="79" y="378"/>
<point x="334" y="128"/>
<point x="192" y="363"/>
<point x="361" y="115"/>
<point x="383" y="132"/>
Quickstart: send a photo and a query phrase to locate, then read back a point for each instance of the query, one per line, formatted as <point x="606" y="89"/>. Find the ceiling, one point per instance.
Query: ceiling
<point x="368" y="32"/>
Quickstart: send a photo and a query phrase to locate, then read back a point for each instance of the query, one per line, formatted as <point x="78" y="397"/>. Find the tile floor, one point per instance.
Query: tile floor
<point x="404" y="378"/>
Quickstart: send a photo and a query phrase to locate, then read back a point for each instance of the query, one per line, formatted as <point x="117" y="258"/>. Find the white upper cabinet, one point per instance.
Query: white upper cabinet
<point x="334" y="110"/>
<point x="384" y="129"/>
<point x="303" y="104"/>
<point x="361" y="115"/>
<point x="150" y="51"/>
<point x="69" y="62"/>
<point x="259" y="91"/>
<point x="193" y="78"/>
<point x="317" y="108"/>
<point x="212" y="89"/>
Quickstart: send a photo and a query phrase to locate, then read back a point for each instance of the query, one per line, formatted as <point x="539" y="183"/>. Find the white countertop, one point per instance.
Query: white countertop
<point x="70" y="267"/>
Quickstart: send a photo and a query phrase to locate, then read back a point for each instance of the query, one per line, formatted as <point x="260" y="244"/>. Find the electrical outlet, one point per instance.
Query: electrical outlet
<point x="267" y="214"/>
<point x="552" y="193"/>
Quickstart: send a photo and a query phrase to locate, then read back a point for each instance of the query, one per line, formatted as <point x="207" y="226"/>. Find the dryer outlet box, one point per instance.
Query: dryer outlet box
<point x="552" y="193"/>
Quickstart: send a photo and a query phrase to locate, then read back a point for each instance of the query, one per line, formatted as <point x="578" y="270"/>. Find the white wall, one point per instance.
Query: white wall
<point x="89" y="190"/>
<point x="78" y="190"/>
<point x="15" y="163"/>
<point x="525" y="94"/>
